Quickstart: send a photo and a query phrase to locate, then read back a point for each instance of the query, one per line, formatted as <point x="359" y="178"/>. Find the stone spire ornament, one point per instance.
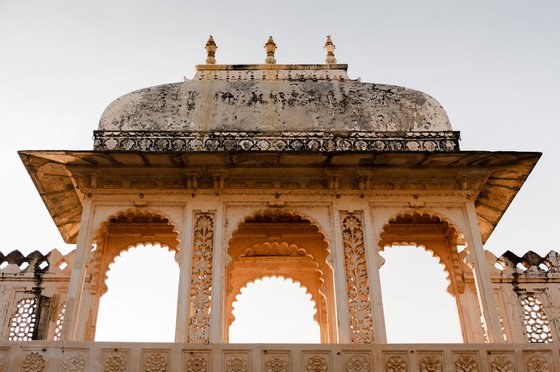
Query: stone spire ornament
<point x="329" y="48"/>
<point x="211" y="51"/>
<point x="270" y="48"/>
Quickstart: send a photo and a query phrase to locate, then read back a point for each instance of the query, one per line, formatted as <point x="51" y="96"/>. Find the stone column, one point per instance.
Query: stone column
<point x="201" y="274"/>
<point x="184" y="259"/>
<point x="483" y="283"/>
<point x="358" y="273"/>
<point x="73" y="314"/>
<point x="341" y="294"/>
<point x="217" y="319"/>
<point x="374" y="263"/>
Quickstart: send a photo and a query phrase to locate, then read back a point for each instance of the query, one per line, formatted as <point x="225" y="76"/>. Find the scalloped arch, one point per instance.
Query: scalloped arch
<point x="119" y="254"/>
<point x="138" y="212"/>
<point x="454" y="230"/>
<point x="263" y="212"/>
<point x="286" y="278"/>
<point x="425" y="213"/>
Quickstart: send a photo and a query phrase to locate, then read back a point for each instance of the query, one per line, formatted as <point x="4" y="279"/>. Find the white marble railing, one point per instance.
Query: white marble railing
<point x="40" y="356"/>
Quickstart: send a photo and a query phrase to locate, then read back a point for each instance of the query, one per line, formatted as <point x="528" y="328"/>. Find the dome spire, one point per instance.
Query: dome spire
<point x="329" y="48"/>
<point x="270" y="48"/>
<point x="211" y="51"/>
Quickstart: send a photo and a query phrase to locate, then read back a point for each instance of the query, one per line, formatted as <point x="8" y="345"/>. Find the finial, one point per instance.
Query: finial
<point x="211" y="51"/>
<point x="329" y="48"/>
<point x="270" y="48"/>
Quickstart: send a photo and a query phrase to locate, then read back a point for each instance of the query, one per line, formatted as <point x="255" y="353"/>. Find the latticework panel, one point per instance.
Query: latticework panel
<point x="535" y="320"/>
<point x="24" y="320"/>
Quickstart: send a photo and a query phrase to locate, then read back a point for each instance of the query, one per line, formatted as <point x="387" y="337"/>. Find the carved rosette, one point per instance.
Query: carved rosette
<point x="276" y="364"/>
<point x="73" y="362"/>
<point x="197" y="363"/>
<point x="538" y="363"/>
<point x="359" y="306"/>
<point x="201" y="278"/>
<point x="466" y="363"/>
<point x="155" y="363"/>
<point x="115" y="362"/>
<point x="33" y="362"/>
<point x="396" y="363"/>
<point x="431" y="363"/>
<point x="357" y="364"/>
<point x="501" y="364"/>
<point x="317" y="364"/>
<point x="237" y="364"/>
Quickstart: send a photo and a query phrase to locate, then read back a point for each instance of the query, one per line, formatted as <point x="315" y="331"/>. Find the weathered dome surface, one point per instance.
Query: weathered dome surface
<point x="263" y="100"/>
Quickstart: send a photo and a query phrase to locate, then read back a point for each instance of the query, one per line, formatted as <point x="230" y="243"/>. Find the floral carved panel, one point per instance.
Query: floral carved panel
<point x="156" y="362"/>
<point x="73" y="361"/>
<point x="501" y="363"/>
<point x="237" y="362"/>
<point x="33" y="362"/>
<point x="396" y="363"/>
<point x="359" y="305"/>
<point x="197" y="362"/>
<point x="317" y="363"/>
<point x="115" y="362"/>
<point x="430" y="363"/>
<point x="466" y="362"/>
<point x="277" y="361"/>
<point x="538" y="362"/>
<point x="201" y="278"/>
<point x="357" y="362"/>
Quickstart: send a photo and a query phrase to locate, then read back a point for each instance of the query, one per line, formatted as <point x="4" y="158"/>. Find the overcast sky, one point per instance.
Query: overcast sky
<point x="493" y="65"/>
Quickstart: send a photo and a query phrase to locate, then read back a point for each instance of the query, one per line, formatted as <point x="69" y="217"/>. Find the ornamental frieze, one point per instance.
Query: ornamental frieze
<point x="169" y="141"/>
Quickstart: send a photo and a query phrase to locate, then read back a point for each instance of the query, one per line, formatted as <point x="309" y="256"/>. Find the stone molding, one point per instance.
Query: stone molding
<point x="175" y="141"/>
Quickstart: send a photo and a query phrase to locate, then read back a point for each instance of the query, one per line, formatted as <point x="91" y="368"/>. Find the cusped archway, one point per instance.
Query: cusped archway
<point x="120" y="232"/>
<point x="276" y="243"/>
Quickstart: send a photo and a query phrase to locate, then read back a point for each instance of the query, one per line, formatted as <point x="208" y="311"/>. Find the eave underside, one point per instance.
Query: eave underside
<point x="494" y="177"/>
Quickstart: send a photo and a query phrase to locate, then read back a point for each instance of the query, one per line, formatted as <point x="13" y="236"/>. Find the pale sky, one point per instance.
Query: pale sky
<point x="493" y="65"/>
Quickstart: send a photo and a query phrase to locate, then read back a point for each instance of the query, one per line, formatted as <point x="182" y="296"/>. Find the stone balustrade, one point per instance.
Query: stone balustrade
<point x="38" y="356"/>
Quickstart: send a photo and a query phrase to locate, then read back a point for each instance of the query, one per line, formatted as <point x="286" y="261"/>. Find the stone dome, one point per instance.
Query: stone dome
<point x="275" y="98"/>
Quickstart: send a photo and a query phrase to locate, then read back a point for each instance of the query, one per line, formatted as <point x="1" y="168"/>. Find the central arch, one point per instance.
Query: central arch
<point x="277" y="243"/>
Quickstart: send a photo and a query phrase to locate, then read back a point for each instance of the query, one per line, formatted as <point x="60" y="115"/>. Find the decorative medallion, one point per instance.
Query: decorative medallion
<point x="236" y="364"/>
<point x="466" y="363"/>
<point x="276" y="365"/>
<point x="33" y="362"/>
<point x="317" y="364"/>
<point x="197" y="363"/>
<point x="501" y="364"/>
<point x="538" y="363"/>
<point x="155" y="363"/>
<point x="395" y="363"/>
<point x="357" y="364"/>
<point x="73" y="362"/>
<point x="431" y="363"/>
<point x="115" y="362"/>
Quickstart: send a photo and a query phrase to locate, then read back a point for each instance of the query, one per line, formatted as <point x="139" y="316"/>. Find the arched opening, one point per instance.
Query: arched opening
<point x="144" y="279"/>
<point x="276" y="243"/>
<point x="149" y="232"/>
<point x="274" y="310"/>
<point x="418" y="308"/>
